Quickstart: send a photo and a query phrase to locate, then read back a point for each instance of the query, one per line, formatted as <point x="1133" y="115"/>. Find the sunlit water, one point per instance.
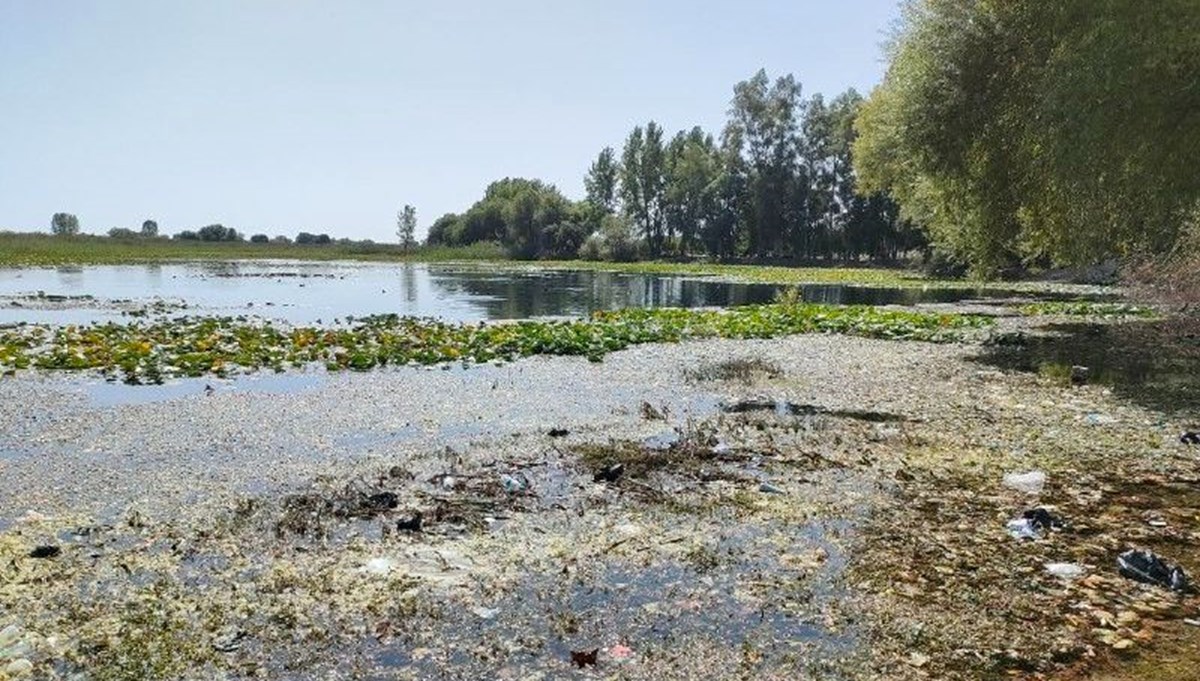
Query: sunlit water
<point x="311" y="293"/>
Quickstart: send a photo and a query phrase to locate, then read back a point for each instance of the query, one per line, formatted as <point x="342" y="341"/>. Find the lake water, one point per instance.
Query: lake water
<point x="310" y="293"/>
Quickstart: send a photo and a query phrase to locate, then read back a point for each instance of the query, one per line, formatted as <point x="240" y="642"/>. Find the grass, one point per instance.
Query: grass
<point x="33" y="249"/>
<point x="150" y="352"/>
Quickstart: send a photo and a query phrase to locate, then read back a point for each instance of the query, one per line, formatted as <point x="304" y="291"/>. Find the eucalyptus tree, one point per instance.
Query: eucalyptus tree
<point x="763" y="128"/>
<point x="643" y="184"/>
<point x="693" y="164"/>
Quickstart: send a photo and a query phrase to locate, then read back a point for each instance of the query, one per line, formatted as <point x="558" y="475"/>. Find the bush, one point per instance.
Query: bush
<point x="187" y="235"/>
<point x="121" y="233"/>
<point x="259" y="239"/>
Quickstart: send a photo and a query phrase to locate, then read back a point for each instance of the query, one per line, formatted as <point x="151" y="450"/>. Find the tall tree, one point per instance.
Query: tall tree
<point x="64" y="224"/>
<point x="406" y="226"/>
<point x="600" y="183"/>
<point x="763" y="128"/>
<point x="643" y="184"/>
<point x="692" y="166"/>
<point x="149" y="228"/>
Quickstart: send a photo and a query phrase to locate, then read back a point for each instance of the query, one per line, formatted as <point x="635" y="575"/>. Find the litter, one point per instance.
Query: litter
<point x="1190" y="438"/>
<point x="1067" y="571"/>
<point x="1145" y="566"/>
<point x="1031" y="482"/>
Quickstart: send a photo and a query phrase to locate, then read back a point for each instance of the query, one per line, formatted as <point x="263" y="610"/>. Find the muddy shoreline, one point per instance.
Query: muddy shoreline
<point x="274" y="533"/>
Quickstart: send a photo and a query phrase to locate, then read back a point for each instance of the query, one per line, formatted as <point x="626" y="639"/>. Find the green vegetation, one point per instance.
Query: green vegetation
<point x="1023" y="131"/>
<point x="17" y="249"/>
<point x="777" y="183"/>
<point x="1081" y="308"/>
<point x="148" y="353"/>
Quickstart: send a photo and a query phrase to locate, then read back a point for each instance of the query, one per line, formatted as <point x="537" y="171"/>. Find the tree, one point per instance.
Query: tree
<point x="64" y="224"/>
<point x="406" y="226"/>
<point x="444" y="231"/>
<point x="600" y="182"/>
<point x="121" y="233"/>
<point x="643" y="183"/>
<point x="692" y="166"/>
<point x="1021" y="130"/>
<point x="763" y="129"/>
<point x="218" y="232"/>
<point x="259" y="239"/>
<point x="149" y="228"/>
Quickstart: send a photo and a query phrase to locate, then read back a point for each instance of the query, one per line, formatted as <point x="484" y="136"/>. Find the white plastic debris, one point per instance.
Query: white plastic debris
<point x="1066" y="571"/>
<point x="378" y="566"/>
<point x="1022" y="528"/>
<point x="1031" y="482"/>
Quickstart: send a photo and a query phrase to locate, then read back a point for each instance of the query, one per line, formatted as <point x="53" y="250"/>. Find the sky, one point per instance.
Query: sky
<point x="280" y="116"/>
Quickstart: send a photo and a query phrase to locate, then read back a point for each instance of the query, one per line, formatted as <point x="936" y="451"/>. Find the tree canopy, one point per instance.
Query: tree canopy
<point x="1031" y="131"/>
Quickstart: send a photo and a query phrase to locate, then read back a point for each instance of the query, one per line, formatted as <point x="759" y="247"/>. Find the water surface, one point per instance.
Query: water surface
<point x="314" y="293"/>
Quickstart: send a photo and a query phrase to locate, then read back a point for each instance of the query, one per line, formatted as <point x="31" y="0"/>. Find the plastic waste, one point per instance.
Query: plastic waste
<point x="770" y="489"/>
<point x="609" y="473"/>
<point x="1022" y="528"/>
<point x="45" y="552"/>
<point x="1067" y="571"/>
<point x="1146" y="566"/>
<point x="558" y="432"/>
<point x="1030" y="482"/>
<point x="378" y="566"/>
<point x="1034" y="524"/>
<point x="1044" y="520"/>
<point x="410" y="524"/>
<point x="514" y="484"/>
<point x="1190" y="438"/>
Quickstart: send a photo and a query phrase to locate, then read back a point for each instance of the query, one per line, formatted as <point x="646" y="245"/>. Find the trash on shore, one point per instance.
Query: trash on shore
<point x="1030" y="482"/>
<point x="1067" y="571"/>
<point x="48" y="551"/>
<point x="1146" y="566"/>
<point x="584" y="658"/>
<point x="1034" y="523"/>
<point x="558" y="432"/>
<point x="609" y="473"/>
<point x="768" y="488"/>
<point x="410" y="523"/>
<point x="1190" y="438"/>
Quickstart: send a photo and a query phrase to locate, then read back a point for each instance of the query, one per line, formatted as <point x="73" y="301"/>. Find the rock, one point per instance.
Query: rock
<point x="918" y="660"/>
<point x="1079" y="374"/>
<point x="558" y="432"/>
<point x="1030" y="482"/>
<point x="768" y="488"/>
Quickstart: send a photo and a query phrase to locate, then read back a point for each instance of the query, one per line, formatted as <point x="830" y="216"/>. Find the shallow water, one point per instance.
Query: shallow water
<point x="311" y="293"/>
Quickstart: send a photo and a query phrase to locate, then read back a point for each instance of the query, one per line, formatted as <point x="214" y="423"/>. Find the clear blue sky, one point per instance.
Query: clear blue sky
<point x="288" y="115"/>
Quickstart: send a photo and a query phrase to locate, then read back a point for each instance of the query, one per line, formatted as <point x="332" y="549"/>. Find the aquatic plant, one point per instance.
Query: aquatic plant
<point x="149" y="352"/>
<point x="1084" y="308"/>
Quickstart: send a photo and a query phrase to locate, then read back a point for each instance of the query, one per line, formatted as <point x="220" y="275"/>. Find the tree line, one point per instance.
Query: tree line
<point x="777" y="182"/>
<point x="67" y="224"/>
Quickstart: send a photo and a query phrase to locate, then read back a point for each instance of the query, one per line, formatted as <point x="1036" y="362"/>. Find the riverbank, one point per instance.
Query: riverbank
<point x="43" y="250"/>
<point x="843" y="516"/>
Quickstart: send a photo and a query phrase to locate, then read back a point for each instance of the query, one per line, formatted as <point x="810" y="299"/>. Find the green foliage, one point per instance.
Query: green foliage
<point x="259" y="239"/>
<point x="1021" y="130"/>
<point x="600" y="183"/>
<point x="44" y="249"/>
<point x="122" y="233"/>
<point x="64" y="224"/>
<point x="149" y="228"/>
<point x="143" y="353"/>
<point x="1083" y="308"/>
<point x="406" y="226"/>
<point x="643" y="184"/>
<point x="515" y="212"/>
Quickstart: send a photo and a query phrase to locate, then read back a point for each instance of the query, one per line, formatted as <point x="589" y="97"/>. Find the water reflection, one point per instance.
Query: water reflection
<point x="315" y="292"/>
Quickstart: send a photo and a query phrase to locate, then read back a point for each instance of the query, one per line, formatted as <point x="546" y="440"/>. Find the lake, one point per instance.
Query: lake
<point x="320" y="292"/>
